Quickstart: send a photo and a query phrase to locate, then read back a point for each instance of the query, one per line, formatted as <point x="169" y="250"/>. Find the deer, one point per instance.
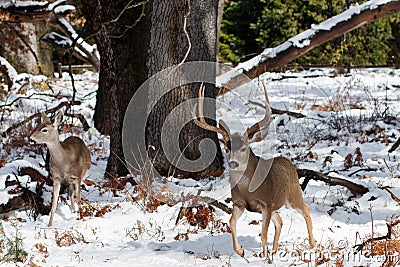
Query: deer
<point x="69" y="160"/>
<point x="257" y="184"/>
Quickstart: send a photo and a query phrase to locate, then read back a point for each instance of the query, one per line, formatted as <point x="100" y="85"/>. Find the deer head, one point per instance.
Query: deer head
<point x="47" y="131"/>
<point x="237" y="147"/>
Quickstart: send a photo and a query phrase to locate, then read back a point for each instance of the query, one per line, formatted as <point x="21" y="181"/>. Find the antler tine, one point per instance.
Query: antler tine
<point x="263" y="124"/>
<point x="202" y="122"/>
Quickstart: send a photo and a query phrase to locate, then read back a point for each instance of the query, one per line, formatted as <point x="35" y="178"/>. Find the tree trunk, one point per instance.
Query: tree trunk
<point x="129" y="56"/>
<point x="201" y="27"/>
<point x="22" y="47"/>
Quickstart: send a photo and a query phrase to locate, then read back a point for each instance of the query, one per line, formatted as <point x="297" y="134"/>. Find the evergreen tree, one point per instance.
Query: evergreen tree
<point x="266" y="24"/>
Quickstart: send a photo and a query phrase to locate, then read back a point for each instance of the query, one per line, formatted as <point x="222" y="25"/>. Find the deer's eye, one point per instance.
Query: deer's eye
<point x="243" y="149"/>
<point x="44" y="130"/>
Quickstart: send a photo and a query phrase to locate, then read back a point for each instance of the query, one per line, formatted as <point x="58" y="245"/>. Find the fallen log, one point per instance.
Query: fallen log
<point x="27" y="199"/>
<point x="355" y="189"/>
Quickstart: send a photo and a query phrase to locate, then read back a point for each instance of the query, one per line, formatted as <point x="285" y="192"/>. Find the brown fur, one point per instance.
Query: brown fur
<point x="69" y="160"/>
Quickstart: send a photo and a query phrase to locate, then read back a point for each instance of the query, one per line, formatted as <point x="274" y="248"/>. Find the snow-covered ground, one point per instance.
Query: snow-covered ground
<point x="343" y="114"/>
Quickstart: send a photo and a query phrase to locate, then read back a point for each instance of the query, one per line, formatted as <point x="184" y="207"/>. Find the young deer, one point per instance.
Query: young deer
<point x="258" y="185"/>
<point x="69" y="160"/>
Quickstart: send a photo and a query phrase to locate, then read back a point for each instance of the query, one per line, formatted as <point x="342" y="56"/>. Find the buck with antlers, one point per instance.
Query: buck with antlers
<point x="69" y="160"/>
<point x="257" y="184"/>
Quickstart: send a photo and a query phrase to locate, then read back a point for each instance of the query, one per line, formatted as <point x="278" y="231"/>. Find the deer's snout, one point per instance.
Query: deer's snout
<point x="33" y="139"/>
<point x="233" y="164"/>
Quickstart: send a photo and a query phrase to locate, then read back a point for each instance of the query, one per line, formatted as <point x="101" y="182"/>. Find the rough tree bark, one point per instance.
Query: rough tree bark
<point x="135" y="43"/>
<point x="22" y="47"/>
<point x="40" y="17"/>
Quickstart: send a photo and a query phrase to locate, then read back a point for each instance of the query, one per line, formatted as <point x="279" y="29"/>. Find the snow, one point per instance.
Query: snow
<point x="336" y="124"/>
<point x="56" y="4"/>
<point x="64" y="9"/>
<point x="68" y="27"/>
<point x="7" y="3"/>
<point x="301" y="40"/>
<point x="10" y="69"/>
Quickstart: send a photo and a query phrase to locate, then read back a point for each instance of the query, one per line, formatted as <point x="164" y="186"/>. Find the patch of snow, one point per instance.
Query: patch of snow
<point x="55" y="4"/>
<point x="10" y="69"/>
<point x="64" y="9"/>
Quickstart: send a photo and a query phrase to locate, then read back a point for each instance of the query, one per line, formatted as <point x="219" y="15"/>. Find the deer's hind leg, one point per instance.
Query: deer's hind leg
<point x="77" y="184"/>
<point x="277" y="220"/>
<point x="266" y="217"/>
<point x="71" y="195"/>
<point x="302" y="208"/>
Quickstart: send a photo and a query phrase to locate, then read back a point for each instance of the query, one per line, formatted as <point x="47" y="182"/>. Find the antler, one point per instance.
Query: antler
<point x="262" y="126"/>
<point x="202" y="122"/>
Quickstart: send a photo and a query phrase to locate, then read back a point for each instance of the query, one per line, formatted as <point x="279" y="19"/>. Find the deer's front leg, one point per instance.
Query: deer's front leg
<point x="56" y="192"/>
<point x="78" y="192"/>
<point x="71" y="196"/>
<point x="237" y="211"/>
<point x="266" y="215"/>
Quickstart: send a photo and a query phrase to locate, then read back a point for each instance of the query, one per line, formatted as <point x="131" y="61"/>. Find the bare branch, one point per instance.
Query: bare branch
<point x="392" y="195"/>
<point x="355" y="189"/>
<point x="37" y="115"/>
<point x="279" y="111"/>
<point x="388" y="236"/>
<point x="395" y="146"/>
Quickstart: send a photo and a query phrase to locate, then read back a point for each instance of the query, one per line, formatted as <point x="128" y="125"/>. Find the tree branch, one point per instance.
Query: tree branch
<point x="352" y="18"/>
<point x="355" y="189"/>
<point x="37" y="115"/>
<point x="392" y="195"/>
<point x="43" y="12"/>
<point x="395" y="146"/>
<point x="388" y="236"/>
<point x="279" y="111"/>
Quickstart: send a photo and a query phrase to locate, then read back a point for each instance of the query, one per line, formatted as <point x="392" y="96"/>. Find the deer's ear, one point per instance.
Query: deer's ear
<point x="58" y="118"/>
<point x="259" y="135"/>
<point x="45" y="119"/>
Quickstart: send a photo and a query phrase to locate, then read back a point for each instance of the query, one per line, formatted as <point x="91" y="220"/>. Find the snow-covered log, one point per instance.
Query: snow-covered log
<point x="353" y="18"/>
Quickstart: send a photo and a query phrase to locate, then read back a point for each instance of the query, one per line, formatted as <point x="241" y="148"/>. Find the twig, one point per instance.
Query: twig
<point x="394" y="197"/>
<point x="37" y="115"/>
<point x="395" y="146"/>
<point x="388" y="236"/>
<point x="17" y="99"/>
<point x="369" y="169"/>
<point x="187" y="38"/>
<point x="215" y="203"/>
<point x="81" y="118"/>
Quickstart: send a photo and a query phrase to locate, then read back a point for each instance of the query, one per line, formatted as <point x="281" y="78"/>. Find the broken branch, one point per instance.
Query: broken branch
<point x="395" y="146"/>
<point x="279" y="111"/>
<point x="388" y="236"/>
<point x="355" y="189"/>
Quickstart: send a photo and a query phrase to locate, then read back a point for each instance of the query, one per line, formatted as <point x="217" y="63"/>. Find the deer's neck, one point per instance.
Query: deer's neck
<point x="251" y="165"/>
<point x="57" y="152"/>
<point x="242" y="179"/>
